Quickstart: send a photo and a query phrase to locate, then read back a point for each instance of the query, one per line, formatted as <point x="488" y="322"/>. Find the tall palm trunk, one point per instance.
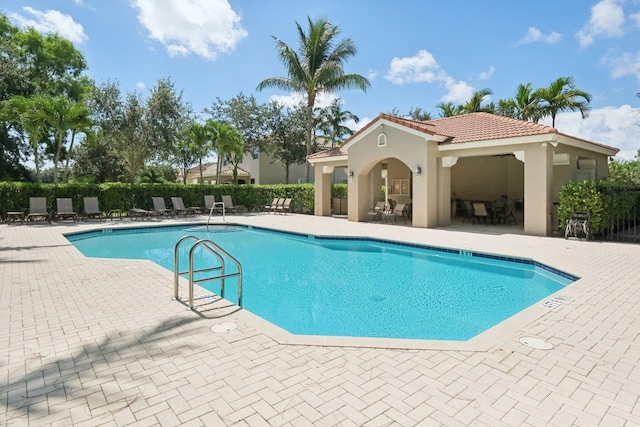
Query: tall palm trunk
<point x="311" y="99"/>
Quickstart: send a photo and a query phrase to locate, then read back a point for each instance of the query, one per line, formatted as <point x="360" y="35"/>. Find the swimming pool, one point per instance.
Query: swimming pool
<point x="331" y="286"/>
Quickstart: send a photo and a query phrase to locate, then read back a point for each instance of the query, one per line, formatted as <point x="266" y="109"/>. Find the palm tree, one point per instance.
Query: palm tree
<point x="228" y="143"/>
<point x="28" y="113"/>
<point x="316" y="67"/>
<point x="64" y="115"/>
<point x="474" y="104"/>
<point x="449" y="109"/>
<point x="199" y="139"/>
<point x="562" y="95"/>
<point x="331" y="120"/>
<point x="524" y="106"/>
<point x="79" y="121"/>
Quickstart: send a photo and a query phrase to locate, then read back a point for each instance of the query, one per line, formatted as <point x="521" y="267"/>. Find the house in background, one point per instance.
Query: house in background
<point x="264" y="169"/>
<point x="259" y="168"/>
<point x="480" y="156"/>
<point x="209" y="174"/>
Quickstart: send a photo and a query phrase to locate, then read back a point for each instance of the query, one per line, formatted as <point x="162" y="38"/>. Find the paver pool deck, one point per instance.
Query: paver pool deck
<point x="93" y="342"/>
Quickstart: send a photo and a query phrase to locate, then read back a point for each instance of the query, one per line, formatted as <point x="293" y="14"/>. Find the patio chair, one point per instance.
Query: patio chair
<point x="578" y="225"/>
<point x="285" y="206"/>
<point x="480" y="213"/>
<point x="229" y="206"/>
<point x="375" y="213"/>
<point x="65" y="210"/>
<point x="468" y="211"/>
<point x="277" y="201"/>
<point x="507" y="216"/>
<point x="178" y="207"/>
<point x="38" y="210"/>
<point x="91" y="209"/>
<point x="398" y="212"/>
<point x="161" y="207"/>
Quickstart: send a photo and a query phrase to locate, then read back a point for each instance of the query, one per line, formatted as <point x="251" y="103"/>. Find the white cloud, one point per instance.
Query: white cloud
<point x="607" y="19"/>
<point x="141" y="85"/>
<point x="485" y="75"/>
<point x="625" y="64"/>
<point x="615" y="126"/>
<point x="458" y="91"/>
<point x="535" y="35"/>
<point x="201" y="27"/>
<point x="419" y="68"/>
<point x="636" y="18"/>
<point x="52" y="21"/>
<point x="423" y="67"/>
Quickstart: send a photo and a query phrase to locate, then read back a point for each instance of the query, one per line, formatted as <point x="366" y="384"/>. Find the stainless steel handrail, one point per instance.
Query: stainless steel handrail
<point x="211" y="212"/>
<point x="216" y="251"/>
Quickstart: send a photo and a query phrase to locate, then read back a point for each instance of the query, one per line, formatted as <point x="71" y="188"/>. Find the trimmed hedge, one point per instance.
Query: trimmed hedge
<point x="14" y="196"/>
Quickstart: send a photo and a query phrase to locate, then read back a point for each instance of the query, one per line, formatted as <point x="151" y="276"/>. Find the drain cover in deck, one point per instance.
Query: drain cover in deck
<point x="538" y="343"/>
<point x="223" y="327"/>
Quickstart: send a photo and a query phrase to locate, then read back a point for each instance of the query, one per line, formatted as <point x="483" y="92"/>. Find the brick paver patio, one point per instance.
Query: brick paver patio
<point x="90" y="342"/>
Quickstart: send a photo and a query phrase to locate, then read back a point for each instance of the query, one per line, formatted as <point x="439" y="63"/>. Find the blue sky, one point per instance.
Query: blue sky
<point x="416" y="53"/>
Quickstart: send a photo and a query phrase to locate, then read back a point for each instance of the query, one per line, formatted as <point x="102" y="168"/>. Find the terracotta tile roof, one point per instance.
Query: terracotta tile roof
<point x="485" y="126"/>
<point x="463" y="128"/>
<point x="331" y="152"/>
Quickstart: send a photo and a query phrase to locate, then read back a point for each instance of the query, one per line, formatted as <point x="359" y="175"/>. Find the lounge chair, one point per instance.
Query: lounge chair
<point x="65" y="210"/>
<point x="274" y="205"/>
<point x="480" y="213"/>
<point x="91" y="209"/>
<point x="229" y="206"/>
<point x="178" y="207"/>
<point x="137" y="213"/>
<point x="285" y="206"/>
<point x="210" y="203"/>
<point x="38" y="210"/>
<point x="375" y="213"/>
<point x="397" y="212"/>
<point x="159" y="206"/>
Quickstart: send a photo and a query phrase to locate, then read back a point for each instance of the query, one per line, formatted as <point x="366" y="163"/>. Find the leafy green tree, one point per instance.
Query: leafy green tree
<point x="562" y="95"/>
<point x="419" y="114"/>
<point x="246" y="115"/>
<point x="286" y="135"/>
<point x="332" y="120"/>
<point x="317" y="67"/>
<point x="99" y="158"/>
<point x="33" y="64"/>
<point x="166" y="116"/>
<point x="625" y="172"/>
<point x="133" y="142"/>
<point x="94" y="161"/>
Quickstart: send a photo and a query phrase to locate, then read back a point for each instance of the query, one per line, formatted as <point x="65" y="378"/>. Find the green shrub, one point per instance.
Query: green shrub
<point x="584" y="196"/>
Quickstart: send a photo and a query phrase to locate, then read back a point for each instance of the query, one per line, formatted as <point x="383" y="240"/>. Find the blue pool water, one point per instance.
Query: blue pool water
<point x="349" y="287"/>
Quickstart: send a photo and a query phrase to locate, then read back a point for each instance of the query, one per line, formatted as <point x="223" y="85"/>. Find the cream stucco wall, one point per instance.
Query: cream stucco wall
<point x="522" y="168"/>
<point x="488" y="178"/>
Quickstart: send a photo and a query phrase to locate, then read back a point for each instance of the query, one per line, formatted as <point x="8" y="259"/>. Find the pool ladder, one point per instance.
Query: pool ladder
<point x="216" y="251"/>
